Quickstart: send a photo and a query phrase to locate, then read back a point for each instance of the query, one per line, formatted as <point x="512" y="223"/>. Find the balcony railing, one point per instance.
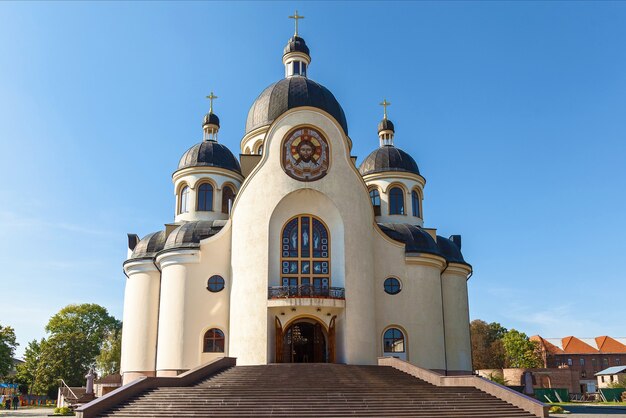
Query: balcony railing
<point x="305" y="291"/>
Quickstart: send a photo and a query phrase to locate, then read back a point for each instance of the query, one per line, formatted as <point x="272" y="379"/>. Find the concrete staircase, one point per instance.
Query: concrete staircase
<point x="314" y="390"/>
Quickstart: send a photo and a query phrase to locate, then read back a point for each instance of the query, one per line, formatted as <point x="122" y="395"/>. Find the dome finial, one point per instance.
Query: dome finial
<point x="385" y="127"/>
<point x="295" y="17"/>
<point x="211" y="97"/>
<point x="211" y="123"/>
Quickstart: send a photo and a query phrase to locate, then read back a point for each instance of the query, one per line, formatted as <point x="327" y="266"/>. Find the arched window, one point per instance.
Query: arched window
<point x="260" y="151"/>
<point x="215" y="284"/>
<point x="205" y="197"/>
<point x="392" y="286"/>
<point x="305" y="257"/>
<point x="213" y="341"/>
<point x="184" y="200"/>
<point x="396" y="201"/>
<point x="415" y="203"/>
<point x="228" y="197"/>
<point x="393" y="341"/>
<point x="375" y="198"/>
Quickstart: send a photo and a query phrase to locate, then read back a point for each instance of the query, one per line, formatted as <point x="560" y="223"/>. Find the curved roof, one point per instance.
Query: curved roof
<point x="209" y="154"/>
<point x="386" y="125"/>
<point x="211" y="119"/>
<point x="388" y="158"/>
<point x="189" y="234"/>
<point x="415" y="239"/>
<point x="149" y="245"/>
<point x="296" y="44"/>
<point x="290" y="93"/>
<point x="450" y="250"/>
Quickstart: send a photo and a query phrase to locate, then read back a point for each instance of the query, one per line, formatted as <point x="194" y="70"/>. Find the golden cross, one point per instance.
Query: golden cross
<point x="211" y="97"/>
<point x="384" y="104"/>
<point x="295" y="17"/>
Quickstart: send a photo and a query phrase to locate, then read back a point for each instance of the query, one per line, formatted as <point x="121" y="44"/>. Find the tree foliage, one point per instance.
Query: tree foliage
<point x="108" y="361"/>
<point x="27" y="371"/>
<point x="487" y="348"/>
<point x="8" y="343"/>
<point x="520" y="350"/>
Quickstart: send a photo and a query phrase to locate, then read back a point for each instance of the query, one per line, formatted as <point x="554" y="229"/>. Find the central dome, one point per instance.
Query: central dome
<point x="290" y="93"/>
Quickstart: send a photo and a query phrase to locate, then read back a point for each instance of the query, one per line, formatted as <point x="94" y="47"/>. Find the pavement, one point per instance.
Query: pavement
<point x="586" y="411"/>
<point x="27" y="412"/>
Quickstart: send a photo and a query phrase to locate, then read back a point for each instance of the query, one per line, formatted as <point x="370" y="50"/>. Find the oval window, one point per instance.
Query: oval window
<point x="392" y="286"/>
<point x="215" y="284"/>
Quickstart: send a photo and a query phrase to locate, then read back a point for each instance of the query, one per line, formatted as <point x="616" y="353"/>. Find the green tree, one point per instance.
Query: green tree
<point x="487" y="349"/>
<point x="520" y="350"/>
<point x="77" y="333"/>
<point x="8" y="343"/>
<point x="27" y="371"/>
<point x="108" y="361"/>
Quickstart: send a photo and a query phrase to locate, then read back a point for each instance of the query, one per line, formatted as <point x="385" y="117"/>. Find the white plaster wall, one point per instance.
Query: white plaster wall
<point x="417" y="309"/>
<point x="188" y="309"/>
<point x="256" y="204"/>
<point x="456" y="315"/>
<point x="383" y="186"/>
<point x="193" y="178"/>
<point x="141" y="310"/>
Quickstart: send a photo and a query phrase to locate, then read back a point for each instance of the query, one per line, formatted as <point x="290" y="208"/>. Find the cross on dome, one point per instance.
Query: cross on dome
<point x="384" y="104"/>
<point x="211" y="97"/>
<point x="295" y="17"/>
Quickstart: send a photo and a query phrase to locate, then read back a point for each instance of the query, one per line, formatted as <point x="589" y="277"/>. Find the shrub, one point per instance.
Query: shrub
<point x="557" y="410"/>
<point x="64" y="410"/>
<point x="498" y="379"/>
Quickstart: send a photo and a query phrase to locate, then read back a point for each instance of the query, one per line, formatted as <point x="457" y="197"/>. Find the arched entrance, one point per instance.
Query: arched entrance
<point x="304" y="341"/>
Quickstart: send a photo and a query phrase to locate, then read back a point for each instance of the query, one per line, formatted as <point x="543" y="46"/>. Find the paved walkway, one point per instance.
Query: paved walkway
<point x="583" y="411"/>
<point x="27" y="412"/>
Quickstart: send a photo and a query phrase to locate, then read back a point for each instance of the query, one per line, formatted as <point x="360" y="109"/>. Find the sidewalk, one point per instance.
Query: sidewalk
<point x="27" y="412"/>
<point x="585" y="411"/>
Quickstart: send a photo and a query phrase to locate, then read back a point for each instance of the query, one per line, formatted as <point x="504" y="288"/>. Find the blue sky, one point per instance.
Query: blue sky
<point x="514" y="112"/>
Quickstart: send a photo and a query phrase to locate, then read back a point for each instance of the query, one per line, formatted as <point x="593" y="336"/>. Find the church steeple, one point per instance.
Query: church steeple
<point x="211" y="123"/>
<point x="296" y="54"/>
<point x="386" y="129"/>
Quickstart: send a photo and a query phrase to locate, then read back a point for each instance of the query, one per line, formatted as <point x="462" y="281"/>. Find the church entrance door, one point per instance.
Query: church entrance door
<point x="304" y="342"/>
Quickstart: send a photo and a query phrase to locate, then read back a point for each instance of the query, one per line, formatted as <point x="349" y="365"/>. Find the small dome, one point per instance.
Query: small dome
<point x="209" y="154"/>
<point x="290" y="93"/>
<point x="149" y="245"/>
<point x="388" y="158"/>
<point x="296" y="44"/>
<point x="416" y="240"/>
<point x="189" y="234"/>
<point x="450" y="250"/>
<point x="211" y="119"/>
<point x="386" y="125"/>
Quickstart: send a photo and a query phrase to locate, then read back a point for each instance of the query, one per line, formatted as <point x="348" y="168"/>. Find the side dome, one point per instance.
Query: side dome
<point x="209" y="154"/>
<point x="450" y="250"/>
<point x="290" y="93"/>
<point x="189" y="234"/>
<point x="149" y="245"/>
<point x="415" y="239"/>
<point x="388" y="158"/>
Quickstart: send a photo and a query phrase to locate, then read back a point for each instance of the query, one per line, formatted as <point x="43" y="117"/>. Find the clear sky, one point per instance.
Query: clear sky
<point x="514" y="111"/>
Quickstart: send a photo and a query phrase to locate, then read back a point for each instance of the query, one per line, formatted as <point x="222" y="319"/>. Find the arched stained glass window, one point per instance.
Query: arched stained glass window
<point x="205" y="197"/>
<point x="213" y="341"/>
<point x="228" y="197"/>
<point x="184" y="200"/>
<point x="396" y="201"/>
<point x="393" y="341"/>
<point x="415" y="203"/>
<point x="375" y="198"/>
<point x="305" y="257"/>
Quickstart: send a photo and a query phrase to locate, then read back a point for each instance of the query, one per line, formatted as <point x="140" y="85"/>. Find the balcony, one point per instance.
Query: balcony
<point x="306" y="295"/>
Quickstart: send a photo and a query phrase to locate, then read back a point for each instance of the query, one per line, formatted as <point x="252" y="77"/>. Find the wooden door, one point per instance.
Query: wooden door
<point x="331" y="340"/>
<point x="279" y="339"/>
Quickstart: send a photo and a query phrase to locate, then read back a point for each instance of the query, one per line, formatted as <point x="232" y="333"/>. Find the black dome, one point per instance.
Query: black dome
<point x="290" y="93"/>
<point x="149" y="245"/>
<point x="416" y="240"/>
<point x="386" y="125"/>
<point x="450" y="250"/>
<point x="209" y="154"/>
<point x="388" y="158"/>
<point x="189" y="234"/>
<point x="211" y="119"/>
<point x="296" y="44"/>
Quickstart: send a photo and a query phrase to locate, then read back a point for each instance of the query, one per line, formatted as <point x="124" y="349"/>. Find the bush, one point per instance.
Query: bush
<point x="64" y="410"/>
<point x="498" y="379"/>
<point x="557" y="410"/>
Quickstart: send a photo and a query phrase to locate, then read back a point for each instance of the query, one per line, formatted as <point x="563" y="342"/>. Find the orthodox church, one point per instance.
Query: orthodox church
<point x="293" y="252"/>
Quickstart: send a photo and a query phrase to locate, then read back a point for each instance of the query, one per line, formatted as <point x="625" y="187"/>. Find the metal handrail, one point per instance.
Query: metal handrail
<point x="305" y="291"/>
<point x="68" y="388"/>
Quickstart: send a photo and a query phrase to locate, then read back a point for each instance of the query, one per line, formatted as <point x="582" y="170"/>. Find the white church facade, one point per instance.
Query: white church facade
<point x="292" y="252"/>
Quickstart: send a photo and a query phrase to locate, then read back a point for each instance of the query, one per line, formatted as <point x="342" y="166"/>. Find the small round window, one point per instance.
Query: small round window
<point x="215" y="284"/>
<point x="392" y="286"/>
